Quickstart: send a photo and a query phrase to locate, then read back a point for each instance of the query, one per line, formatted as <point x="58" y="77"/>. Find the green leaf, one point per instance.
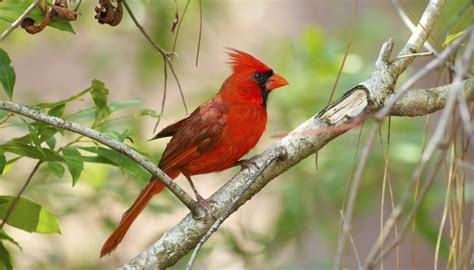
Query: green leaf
<point x="51" y="142"/>
<point x="5" y="236"/>
<point x="61" y="24"/>
<point x="120" y="136"/>
<point x="56" y="168"/>
<point x="23" y="149"/>
<point x="74" y="162"/>
<point x="100" y="94"/>
<point x="34" y="137"/>
<point x="7" y="73"/>
<point x="29" y="216"/>
<point x="46" y="132"/>
<point x="3" y="162"/>
<point x="3" y="113"/>
<point x="119" y="160"/>
<point x="57" y="110"/>
<point x="119" y="105"/>
<point x="452" y="37"/>
<point x="5" y="262"/>
<point x="149" y="112"/>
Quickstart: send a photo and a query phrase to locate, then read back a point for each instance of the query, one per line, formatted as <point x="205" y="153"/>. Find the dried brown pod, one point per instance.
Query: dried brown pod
<point x="29" y="24"/>
<point x="61" y="10"/>
<point x="108" y="13"/>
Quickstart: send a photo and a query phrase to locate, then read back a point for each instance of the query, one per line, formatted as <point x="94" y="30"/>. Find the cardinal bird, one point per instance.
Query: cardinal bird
<point x="214" y="136"/>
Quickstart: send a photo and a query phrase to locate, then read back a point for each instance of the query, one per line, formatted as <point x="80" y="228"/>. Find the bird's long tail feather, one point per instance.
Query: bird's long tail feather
<point x="153" y="187"/>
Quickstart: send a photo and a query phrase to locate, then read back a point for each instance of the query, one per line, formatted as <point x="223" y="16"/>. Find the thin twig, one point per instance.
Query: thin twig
<point x="352" y="196"/>
<point x="415" y="55"/>
<point x="175" y="42"/>
<point x="166" y="55"/>
<point x="351" y="240"/>
<point x="200" y="33"/>
<point x="145" y="34"/>
<point x="163" y="100"/>
<point x="386" y="154"/>
<point x="17" y="198"/>
<point x="108" y="141"/>
<point x="346" y="52"/>
<point x="18" y="21"/>
<point x="445" y="207"/>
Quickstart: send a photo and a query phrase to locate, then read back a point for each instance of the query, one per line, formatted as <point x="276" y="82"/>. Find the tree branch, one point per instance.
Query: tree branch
<point x="419" y="102"/>
<point x="108" y="141"/>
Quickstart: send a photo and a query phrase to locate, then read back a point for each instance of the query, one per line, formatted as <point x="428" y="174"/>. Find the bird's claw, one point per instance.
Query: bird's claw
<point x="206" y="205"/>
<point x="249" y="163"/>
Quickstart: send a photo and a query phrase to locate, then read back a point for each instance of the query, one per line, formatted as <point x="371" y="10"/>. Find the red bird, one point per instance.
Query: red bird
<point x="214" y="136"/>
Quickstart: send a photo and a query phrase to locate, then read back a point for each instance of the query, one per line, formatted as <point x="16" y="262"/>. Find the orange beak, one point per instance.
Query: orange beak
<point x="275" y="81"/>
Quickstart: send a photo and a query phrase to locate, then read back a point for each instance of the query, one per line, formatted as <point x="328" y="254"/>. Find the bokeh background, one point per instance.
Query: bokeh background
<point x="294" y="222"/>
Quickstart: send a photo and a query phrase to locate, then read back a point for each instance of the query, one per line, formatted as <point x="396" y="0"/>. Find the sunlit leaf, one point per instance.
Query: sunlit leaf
<point x="56" y="168"/>
<point x="5" y="262"/>
<point x="100" y="94"/>
<point x="452" y="37"/>
<point x="10" y="164"/>
<point x="29" y="216"/>
<point x="3" y="162"/>
<point x="74" y="162"/>
<point x="7" y="73"/>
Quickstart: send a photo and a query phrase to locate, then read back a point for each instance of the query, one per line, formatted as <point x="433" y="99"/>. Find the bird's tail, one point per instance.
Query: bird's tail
<point x="153" y="187"/>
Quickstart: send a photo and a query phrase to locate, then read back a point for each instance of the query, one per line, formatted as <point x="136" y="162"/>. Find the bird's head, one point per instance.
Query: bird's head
<point x="253" y="78"/>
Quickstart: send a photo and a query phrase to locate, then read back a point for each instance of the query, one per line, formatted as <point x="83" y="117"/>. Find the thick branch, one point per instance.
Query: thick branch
<point x="106" y="140"/>
<point x="425" y="101"/>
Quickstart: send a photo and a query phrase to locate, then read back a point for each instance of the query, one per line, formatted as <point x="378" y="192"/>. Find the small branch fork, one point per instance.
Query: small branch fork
<point x="166" y="55"/>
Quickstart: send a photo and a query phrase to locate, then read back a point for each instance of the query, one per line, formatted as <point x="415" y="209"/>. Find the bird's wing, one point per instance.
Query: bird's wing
<point x="169" y="130"/>
<point x="198" y="134"/>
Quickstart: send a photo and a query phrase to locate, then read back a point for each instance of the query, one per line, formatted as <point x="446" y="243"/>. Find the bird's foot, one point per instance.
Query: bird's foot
<point x="249" y="163"/>
<point x="206" y="205"/>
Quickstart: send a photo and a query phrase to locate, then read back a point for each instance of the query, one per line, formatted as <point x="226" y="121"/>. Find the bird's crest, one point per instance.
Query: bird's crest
<point x="244" y="62"/>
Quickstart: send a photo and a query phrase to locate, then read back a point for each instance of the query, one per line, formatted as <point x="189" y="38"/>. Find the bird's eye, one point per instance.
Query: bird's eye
<point x="257" y="76"/>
